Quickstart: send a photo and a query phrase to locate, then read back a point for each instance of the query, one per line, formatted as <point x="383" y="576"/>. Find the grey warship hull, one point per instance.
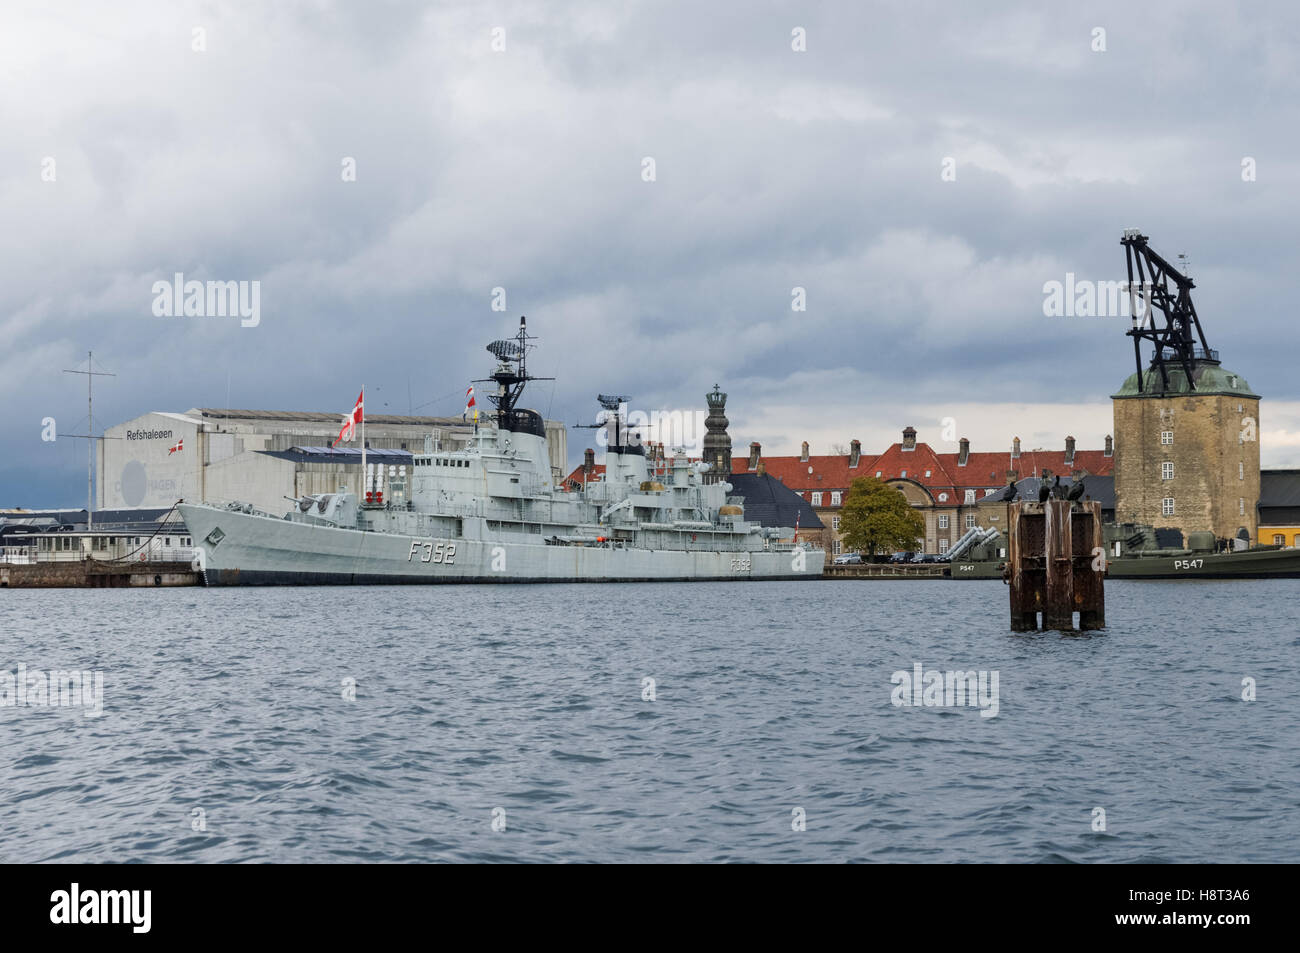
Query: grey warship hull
<point x="257" y="549"/>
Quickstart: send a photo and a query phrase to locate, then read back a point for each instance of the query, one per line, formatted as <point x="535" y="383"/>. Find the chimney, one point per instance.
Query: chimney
<point x="964" y="453"/>
<point x="1015" y="448"/>
<point x="1110" y="445"/>
<point x="1069" y="451"/>
<point x="803" y="454"/>
<point x="855" y="452"/>
<point x="909" y="438"/>
<point x="755" y="455"/>
<point x="1013" y="476"/>
<point x="588" y="464"/>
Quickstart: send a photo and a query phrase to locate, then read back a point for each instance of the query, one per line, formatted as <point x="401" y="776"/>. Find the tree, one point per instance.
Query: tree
<point x="878" y="517"/>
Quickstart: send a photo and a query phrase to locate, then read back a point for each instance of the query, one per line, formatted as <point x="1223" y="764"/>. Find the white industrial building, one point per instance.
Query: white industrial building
<point x="263" y="456"/>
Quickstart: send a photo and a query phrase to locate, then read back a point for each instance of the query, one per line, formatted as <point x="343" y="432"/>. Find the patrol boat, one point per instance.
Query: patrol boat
<point x="486" y="510"/>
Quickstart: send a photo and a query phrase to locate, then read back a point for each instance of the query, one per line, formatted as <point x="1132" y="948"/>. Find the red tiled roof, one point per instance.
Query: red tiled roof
<point x="579" y="476"/>
<point x="937" y="472"/>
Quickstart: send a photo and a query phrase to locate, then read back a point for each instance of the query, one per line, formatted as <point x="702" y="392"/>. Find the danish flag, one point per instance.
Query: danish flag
<point x="351" y="420"/>
<point x="180" y="445"/>
<point x="469" y="402"/>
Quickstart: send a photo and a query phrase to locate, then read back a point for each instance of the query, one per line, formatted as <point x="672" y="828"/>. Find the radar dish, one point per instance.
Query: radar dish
<point x="505" y="350"/>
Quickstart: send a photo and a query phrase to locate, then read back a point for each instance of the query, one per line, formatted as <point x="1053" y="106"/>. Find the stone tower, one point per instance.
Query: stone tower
<point x="1188" y="457"/>
<point x="1186" y="429"/>
<point x="717" y="442"/>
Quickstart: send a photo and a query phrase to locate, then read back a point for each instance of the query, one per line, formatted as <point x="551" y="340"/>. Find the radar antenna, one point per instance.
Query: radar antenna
<point x="510" y="379"/>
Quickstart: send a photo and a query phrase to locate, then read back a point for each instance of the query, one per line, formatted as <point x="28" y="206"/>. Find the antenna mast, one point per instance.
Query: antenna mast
<point x="91" y="374"/>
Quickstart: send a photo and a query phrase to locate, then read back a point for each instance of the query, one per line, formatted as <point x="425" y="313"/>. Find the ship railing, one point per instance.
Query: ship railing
<point x="22" y="556"/>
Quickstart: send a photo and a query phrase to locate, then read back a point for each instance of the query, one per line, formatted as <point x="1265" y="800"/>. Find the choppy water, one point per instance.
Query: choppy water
<point x="768" y="697"/>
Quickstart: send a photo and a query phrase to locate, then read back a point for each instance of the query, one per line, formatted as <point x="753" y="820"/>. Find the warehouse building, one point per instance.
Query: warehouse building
<point x="263" y="456"/>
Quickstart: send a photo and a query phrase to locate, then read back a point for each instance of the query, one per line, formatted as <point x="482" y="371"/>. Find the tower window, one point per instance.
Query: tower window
<point x="1167" y="470"/>
<point x="1167" y="437"/>
<point x="1167" y="506"/>
<point x="1241" y="505"/>
<point x="1241" y="471"/>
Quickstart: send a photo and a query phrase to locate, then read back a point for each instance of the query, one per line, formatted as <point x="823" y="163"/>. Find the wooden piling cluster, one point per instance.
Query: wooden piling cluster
<point x="1055" y="565"/>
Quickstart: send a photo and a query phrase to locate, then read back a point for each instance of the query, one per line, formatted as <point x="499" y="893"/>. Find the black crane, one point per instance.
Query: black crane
<point x="1175" y="342"/>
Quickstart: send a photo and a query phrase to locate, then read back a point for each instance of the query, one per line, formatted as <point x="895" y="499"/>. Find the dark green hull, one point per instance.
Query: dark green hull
<point x="982" y="569"/>
<point x="1250" y="564"/>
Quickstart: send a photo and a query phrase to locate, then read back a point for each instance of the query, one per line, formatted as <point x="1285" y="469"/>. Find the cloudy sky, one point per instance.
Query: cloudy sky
<point x="504" y="145"/>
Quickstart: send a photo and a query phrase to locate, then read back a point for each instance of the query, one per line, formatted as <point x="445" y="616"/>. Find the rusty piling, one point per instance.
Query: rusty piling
<point x="1056" y="565"/>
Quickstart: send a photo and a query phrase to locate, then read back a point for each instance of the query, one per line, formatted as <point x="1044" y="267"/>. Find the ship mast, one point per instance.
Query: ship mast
<point x="510" y="380"/>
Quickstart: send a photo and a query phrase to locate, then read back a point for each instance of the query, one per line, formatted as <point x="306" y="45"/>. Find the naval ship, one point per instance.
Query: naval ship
<point x="1133" y="552"/>
<point x="486" y="510"/>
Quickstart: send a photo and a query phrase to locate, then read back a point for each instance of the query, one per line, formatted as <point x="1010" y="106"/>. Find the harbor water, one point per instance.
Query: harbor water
<point x="649" y="723"/>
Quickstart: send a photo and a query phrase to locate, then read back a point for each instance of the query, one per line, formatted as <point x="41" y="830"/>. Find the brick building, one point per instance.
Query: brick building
<point x="946" y="487"/>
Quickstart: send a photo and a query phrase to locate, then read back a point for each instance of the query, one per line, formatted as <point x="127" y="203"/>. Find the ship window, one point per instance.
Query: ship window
<point x="1167" y="506"/>
<point x="1167" y="470"/>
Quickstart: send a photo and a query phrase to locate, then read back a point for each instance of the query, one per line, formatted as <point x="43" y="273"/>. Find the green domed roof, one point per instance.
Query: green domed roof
<point x="1209" y="377"/>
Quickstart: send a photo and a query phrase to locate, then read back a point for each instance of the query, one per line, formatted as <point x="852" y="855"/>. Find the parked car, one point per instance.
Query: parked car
<point x="901" y="557"/>
<point x="848" y="559"/>
<point x="917" y="558"/>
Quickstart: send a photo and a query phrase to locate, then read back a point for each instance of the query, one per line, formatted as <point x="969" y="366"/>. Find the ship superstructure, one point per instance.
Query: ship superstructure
<point x="486" y="509"/>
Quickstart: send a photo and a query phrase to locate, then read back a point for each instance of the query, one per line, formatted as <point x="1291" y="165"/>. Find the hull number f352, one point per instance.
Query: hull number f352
<point x="431" y="552"/>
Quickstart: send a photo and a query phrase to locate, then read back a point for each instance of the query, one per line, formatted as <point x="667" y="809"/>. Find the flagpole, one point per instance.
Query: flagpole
<point x="363" y="441"/>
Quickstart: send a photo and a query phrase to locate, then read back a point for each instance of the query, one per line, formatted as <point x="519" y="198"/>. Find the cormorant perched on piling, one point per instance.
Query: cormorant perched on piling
<point x="1058" y="491"/>
<point x="1010" y="494"/>
<point x="1076" y="490"/>
<point x="1044" y="488"/>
